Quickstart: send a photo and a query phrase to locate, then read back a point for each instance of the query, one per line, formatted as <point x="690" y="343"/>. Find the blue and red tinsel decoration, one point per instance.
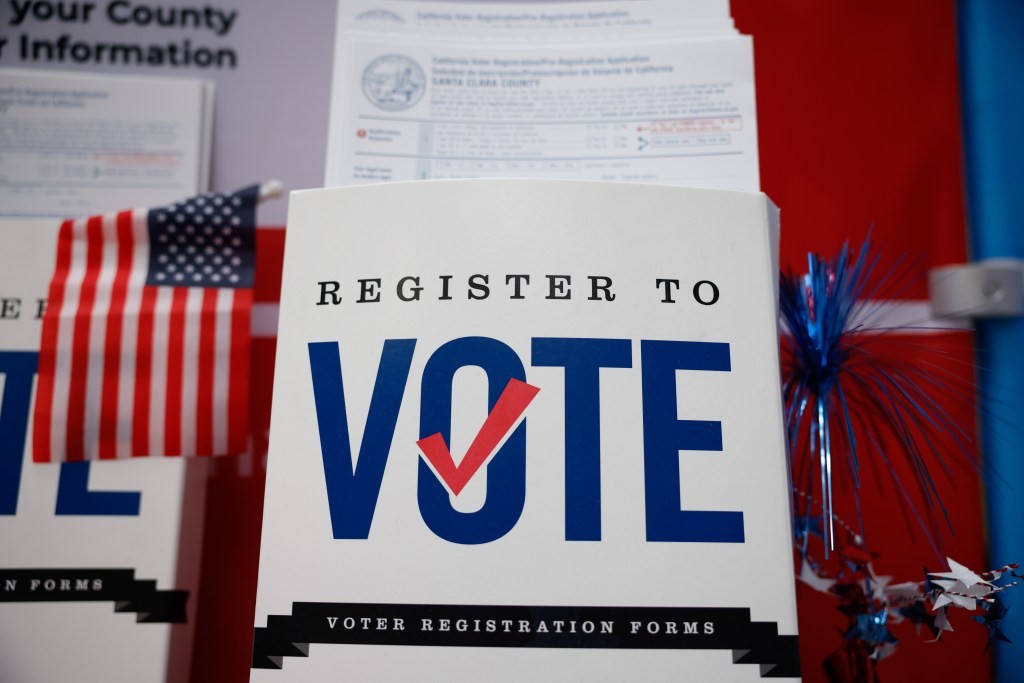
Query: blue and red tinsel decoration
<point x="849" y="400"/>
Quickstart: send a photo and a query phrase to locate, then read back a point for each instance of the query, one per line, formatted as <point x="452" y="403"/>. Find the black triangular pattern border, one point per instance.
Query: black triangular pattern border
<point x="119" y="586"/>
<point x="751" y="642"/>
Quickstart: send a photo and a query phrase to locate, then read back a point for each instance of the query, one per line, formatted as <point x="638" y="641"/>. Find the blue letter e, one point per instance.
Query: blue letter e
<point x="665" y="435"/>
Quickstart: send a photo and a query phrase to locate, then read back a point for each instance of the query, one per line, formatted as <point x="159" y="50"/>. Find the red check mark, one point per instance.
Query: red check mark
<point x="506" y="412"/>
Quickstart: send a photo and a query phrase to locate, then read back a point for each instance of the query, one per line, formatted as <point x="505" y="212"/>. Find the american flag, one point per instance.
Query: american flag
<point x="145" y="342"/>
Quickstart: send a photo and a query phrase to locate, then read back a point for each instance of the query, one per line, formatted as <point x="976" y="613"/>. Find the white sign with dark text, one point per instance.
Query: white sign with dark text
<point x="527" y="430"/>
<point x="99" y="561"/>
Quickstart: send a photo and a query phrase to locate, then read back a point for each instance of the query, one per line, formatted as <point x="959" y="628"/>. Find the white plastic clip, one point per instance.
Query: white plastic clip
<point x="985" y="289"/>
<point x="272" y="189"/>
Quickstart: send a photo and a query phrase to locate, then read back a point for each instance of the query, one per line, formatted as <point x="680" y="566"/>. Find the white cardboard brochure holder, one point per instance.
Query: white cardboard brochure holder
<point x="99" y="561"/>
<point x="527" y="430"/>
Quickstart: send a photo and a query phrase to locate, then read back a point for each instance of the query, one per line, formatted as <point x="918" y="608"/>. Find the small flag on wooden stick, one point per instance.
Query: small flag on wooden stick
<point x="145" y="348"/>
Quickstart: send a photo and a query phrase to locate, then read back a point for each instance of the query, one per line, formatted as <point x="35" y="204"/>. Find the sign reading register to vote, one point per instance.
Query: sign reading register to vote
<point x="527" y="431"/>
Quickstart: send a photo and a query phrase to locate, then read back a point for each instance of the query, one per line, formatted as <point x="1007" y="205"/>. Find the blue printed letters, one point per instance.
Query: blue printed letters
<point x="352" y="490"/>
<point x="73" y="495"/>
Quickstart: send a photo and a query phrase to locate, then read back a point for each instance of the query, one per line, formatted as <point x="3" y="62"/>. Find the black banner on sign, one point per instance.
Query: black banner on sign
<point x="151" y="606"/>
<point x="656" y="628"/>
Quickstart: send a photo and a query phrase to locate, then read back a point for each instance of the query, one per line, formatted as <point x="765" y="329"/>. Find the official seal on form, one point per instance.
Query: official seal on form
<point x="394" y="82"/>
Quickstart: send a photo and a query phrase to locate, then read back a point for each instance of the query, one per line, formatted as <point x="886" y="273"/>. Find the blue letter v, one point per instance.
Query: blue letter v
<point x="352" y="490"/>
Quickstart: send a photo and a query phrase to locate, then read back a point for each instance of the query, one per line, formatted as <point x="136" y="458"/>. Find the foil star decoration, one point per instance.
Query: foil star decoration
<point x="960" y="586"/>
<point x="810" y="576"/>
<point x="917" y="614"/>
<point x="873" y="630"/>
<point x="872" y="602"/>
<point x="941" y="622"/>
<point x="958" y="572"/>
<point x="995" y="612"/>
<point x="876" y="585"/>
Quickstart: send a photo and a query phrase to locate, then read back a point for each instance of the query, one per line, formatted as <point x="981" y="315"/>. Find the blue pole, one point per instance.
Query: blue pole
<point x="992" y="79"/>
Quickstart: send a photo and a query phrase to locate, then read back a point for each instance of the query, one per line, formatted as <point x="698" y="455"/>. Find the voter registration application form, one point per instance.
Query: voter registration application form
<point x="80" y="144"/>
<point x="646" y="90"/>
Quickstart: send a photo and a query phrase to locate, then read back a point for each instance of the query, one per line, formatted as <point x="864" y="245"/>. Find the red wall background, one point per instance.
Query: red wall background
<point x="859" y="129"/>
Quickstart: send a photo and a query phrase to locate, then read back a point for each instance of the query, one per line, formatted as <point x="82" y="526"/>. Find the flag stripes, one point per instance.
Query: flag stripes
<point x="129" y="368"/>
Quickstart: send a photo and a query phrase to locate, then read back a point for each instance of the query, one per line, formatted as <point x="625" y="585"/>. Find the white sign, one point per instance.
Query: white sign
<point x="527" y="430"/>
<point x="99" y="562"/>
